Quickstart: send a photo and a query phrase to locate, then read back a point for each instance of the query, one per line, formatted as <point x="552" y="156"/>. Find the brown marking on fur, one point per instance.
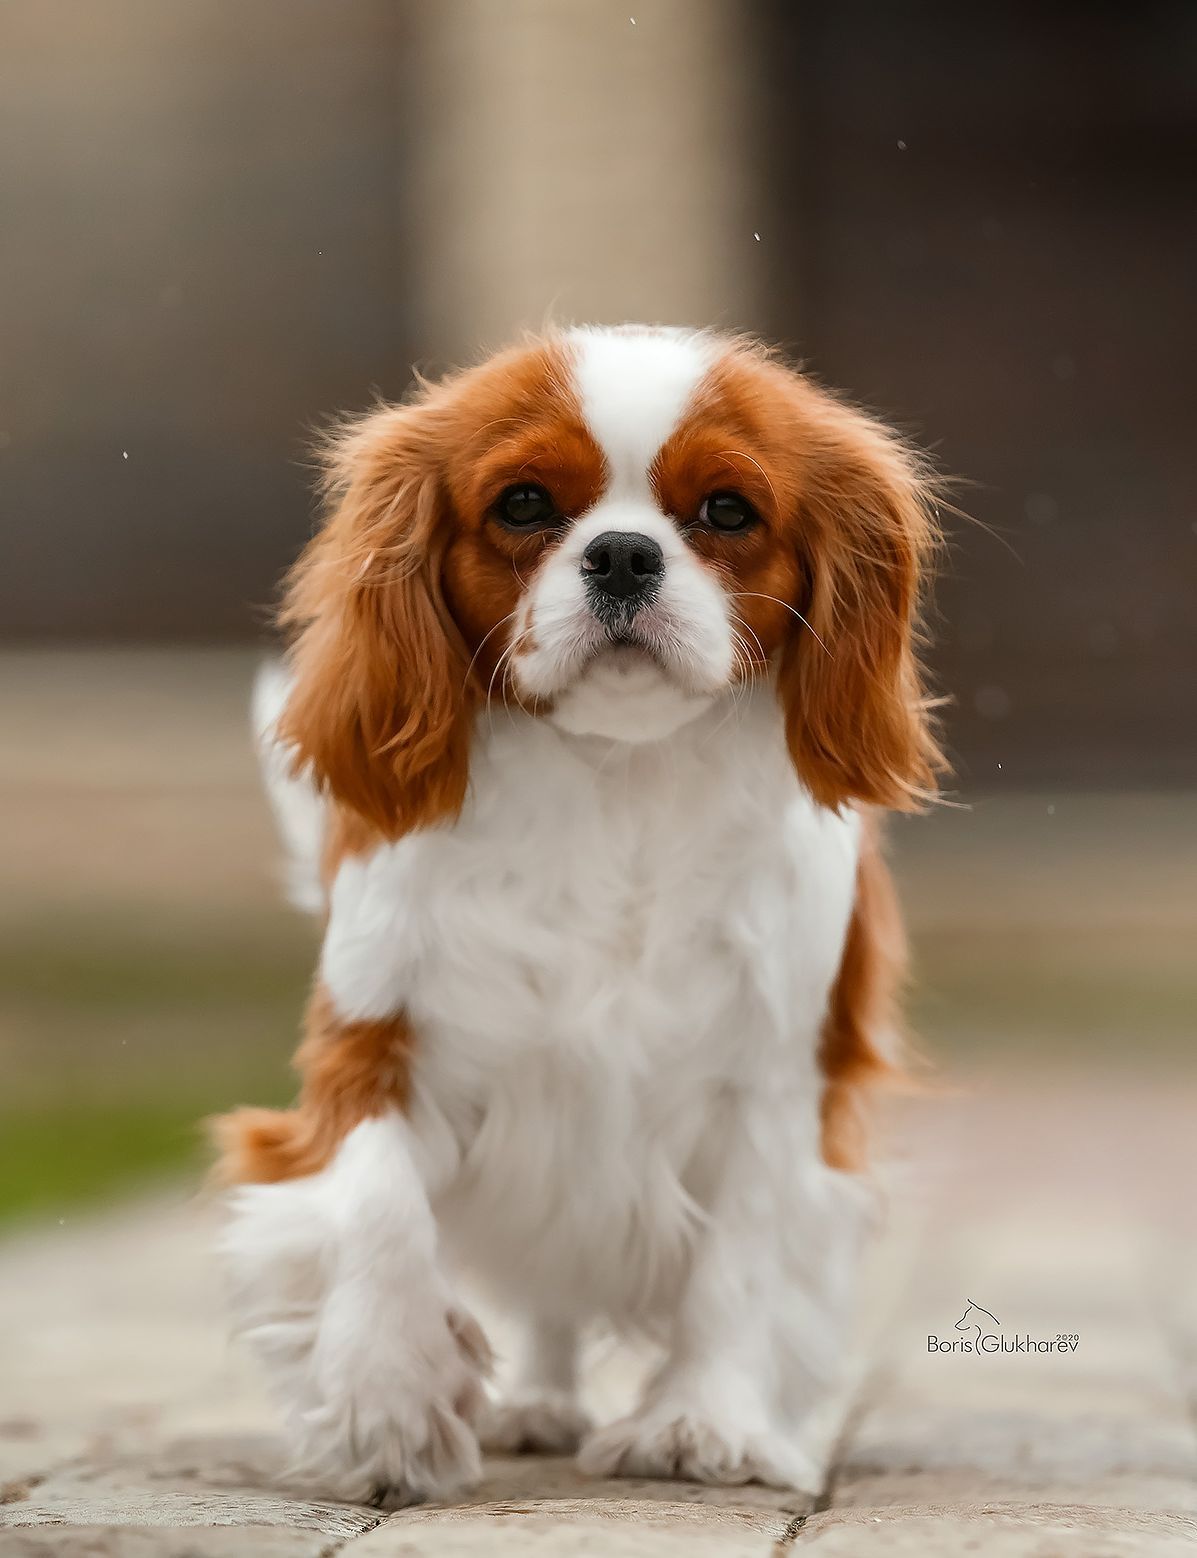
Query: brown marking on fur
<point x="846" y="537"/>
<point x="350" y="1072"/>
<point x="380" y="707"/>
<point x="862" y="1044"/>
<point x="400" y="608"/>
<point x="530" y="431"/>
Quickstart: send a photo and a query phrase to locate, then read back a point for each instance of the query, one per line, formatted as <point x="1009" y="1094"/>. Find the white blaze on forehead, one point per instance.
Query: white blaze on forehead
<point x="634" y="384"/>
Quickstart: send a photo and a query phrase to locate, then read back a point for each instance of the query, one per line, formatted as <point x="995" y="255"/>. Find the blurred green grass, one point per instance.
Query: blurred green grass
<point x="119" y="1035"/>
<point x="1125" y="998"/>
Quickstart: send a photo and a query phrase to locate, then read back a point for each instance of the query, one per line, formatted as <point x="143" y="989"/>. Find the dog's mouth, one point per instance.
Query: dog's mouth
<point x="646" y="654"/>
<point x="624" y="651"/>
<point x="626" y="690"/>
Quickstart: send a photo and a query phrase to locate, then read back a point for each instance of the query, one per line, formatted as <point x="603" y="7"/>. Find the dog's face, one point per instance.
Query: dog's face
<point x="611" y="529"/>
<point x="671" y="580"/>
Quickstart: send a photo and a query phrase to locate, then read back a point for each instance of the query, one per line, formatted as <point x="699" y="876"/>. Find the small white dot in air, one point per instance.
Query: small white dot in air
<point x="124" y="454"/>
<point x="757" y="236"/>
<point x="901" y="145"/>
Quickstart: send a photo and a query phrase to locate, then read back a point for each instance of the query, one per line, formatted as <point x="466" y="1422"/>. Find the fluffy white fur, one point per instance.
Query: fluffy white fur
<point x="337" y="1289"/>
<point x="634" y="384"/>
<point x="616" y="965"/>
<point x="298" y="809"/>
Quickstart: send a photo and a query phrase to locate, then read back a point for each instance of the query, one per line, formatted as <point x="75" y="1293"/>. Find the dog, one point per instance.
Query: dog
<point x="602" y="669"/>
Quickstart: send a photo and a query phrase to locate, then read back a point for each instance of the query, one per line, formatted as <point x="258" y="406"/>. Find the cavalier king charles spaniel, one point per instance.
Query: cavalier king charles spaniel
<point x="601" y="669"/>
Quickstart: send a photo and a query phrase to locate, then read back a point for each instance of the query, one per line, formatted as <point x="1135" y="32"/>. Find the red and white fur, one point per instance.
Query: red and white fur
<point x="610" y="947"/>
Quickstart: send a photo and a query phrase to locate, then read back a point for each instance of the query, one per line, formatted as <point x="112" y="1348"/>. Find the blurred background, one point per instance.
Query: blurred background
<point x="225" y="223"/>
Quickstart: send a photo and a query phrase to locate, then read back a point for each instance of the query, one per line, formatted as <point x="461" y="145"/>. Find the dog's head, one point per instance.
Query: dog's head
<point x="611" y="529"/>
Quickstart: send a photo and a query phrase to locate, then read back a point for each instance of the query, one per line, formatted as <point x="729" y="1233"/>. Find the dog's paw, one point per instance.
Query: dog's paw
<point x="397" y="1428"/>
<point x="666" y="1442"/>
<point x="390" y="1458"/>
<point x="533" y="1423"/>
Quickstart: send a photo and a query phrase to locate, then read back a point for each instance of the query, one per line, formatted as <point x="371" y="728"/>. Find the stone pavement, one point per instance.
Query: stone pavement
<point x="1062" y="1206"/>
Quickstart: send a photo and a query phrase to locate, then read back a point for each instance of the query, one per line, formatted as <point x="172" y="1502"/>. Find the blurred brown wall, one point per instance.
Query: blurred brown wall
<point x="203" y="253"/>
<point x="992" y="217"/>
<point x="583" y="163"/>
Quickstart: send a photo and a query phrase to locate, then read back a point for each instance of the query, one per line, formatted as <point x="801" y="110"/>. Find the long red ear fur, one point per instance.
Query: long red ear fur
<point x="863" y="1044"/>
<point x="379" y="707"/>
<point x="857" y="721"/>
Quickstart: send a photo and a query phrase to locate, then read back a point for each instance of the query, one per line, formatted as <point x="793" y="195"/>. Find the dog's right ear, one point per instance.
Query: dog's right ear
<point x="379" y="707"/>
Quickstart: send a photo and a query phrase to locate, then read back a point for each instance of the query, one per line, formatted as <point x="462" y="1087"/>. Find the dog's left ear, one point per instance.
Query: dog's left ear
<point x="857" y="721"/>
<point x="379" y="707"/>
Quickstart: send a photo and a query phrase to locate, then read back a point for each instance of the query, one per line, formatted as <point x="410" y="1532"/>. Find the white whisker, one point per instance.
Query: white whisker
<point x="740" y="455"/>
<point x="482" y="645"/>
<point x="739" y="623"/>
<point x="757" y="595"/>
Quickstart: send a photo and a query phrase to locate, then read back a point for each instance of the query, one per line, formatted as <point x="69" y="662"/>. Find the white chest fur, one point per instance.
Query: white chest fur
<point x="612" y="942"/>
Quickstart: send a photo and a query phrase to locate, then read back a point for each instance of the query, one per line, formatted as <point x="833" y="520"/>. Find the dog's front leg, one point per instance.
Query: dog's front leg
<point x="756" y="1336"/>
<point x="338" y="1290"/>
<point x="542" y="1412"/>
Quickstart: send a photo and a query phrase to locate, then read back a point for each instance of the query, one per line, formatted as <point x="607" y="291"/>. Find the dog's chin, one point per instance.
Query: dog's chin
<point x="625" y="694"/>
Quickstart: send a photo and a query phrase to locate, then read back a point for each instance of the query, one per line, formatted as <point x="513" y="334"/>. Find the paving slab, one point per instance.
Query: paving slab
<point x="997" y="1530"/>
<point x="628" y="1527"/>
<point x="121" y="1541"/>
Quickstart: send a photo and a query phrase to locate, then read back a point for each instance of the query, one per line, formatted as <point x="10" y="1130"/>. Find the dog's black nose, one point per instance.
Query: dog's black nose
<point x="624" y="565"/>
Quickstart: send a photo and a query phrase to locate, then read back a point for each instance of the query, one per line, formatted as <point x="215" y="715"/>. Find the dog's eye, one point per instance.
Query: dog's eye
<point x="727" y="511"/>
<point x="526" y="508"/>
